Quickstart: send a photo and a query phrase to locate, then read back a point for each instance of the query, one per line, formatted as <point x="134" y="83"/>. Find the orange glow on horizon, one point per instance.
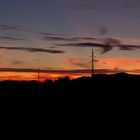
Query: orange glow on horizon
<point x="110" y="65"/>
<point x="43" y="76"/>
<point x="26" y="76"/>
<point x="122" y="63"/>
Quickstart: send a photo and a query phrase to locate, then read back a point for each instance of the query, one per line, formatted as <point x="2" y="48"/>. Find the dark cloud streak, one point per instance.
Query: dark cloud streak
<point x="106" y="45"/>
<point x="33" y="50"/>
<point x="129" y="47"/>
<point x="82" y="71"/>
<point x="6" y="38"/>
<point x="46" y="33"/>
<point x="66" y="38"/>
<point x="53" y="38"/>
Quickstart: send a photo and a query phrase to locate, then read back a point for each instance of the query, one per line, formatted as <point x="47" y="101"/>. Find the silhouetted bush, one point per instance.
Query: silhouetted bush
<point x="101" y="85"/>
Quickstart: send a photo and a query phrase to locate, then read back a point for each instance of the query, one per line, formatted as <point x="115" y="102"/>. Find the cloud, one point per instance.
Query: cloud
<point x="78" y="62"/>
<point x="137" y="71"/>
<point x="45" y="33"/>
<point x="63" y="37"/>
<point x="8" y="27"/>
<point x="106" y="44"/>
<point x="33" y="50"/>
<point x="112" y="41"/>
<point x="30" y="74"/>
<point x="105" y="47"/>
<point x="37" y="32"/>
<point x="5" y="77"/>
<point x="6" y="38"/>
<point x="129" y="47"/>
<point x="73" y="71"/>
<point x="109" y="63"/>
<point x="17" y="70"/>
<point x="126" y="63"/>
<point x="54" y="38"/>
<point x="60" y="37"/>
<point x="66" y="38"/>
<point x="86" y="38"/>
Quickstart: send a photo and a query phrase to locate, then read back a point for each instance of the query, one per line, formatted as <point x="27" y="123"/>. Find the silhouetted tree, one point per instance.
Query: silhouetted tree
<point x="101" y="86"/>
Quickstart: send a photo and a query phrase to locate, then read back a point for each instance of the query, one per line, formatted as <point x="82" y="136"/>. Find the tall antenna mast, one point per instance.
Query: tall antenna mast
<point x="38" y="74"/>
<point x="93" y="65"/>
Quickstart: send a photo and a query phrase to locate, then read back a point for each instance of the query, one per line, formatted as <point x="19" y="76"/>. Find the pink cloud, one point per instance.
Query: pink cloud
<point x="107" y="63"/>
<point x="124" y="63"/>
<point x="77" y="62"/>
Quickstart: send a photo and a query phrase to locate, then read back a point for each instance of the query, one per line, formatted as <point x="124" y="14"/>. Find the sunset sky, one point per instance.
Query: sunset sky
<point x="57" y="36"/>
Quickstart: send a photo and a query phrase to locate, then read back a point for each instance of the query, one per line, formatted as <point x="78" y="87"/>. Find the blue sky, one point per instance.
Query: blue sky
<point x="66" y="15"/>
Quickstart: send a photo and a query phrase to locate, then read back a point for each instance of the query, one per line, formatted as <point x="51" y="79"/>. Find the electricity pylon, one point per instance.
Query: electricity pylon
<point x="38" y="74"/>
<point x="93" y="63"/>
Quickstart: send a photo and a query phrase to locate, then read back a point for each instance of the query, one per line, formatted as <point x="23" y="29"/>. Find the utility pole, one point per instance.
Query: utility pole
<point x="38" y="74"/>
<point x="93" y="65"/>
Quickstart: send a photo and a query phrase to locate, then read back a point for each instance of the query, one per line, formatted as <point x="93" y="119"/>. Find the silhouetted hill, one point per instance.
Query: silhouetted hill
<point x="99" y="85"/>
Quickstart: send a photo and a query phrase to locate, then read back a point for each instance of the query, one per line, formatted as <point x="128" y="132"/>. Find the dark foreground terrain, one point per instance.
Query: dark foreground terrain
<point x="116" y="85"/>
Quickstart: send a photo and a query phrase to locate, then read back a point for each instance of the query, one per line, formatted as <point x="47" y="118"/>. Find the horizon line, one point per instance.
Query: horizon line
<point x="69" y="71"/>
